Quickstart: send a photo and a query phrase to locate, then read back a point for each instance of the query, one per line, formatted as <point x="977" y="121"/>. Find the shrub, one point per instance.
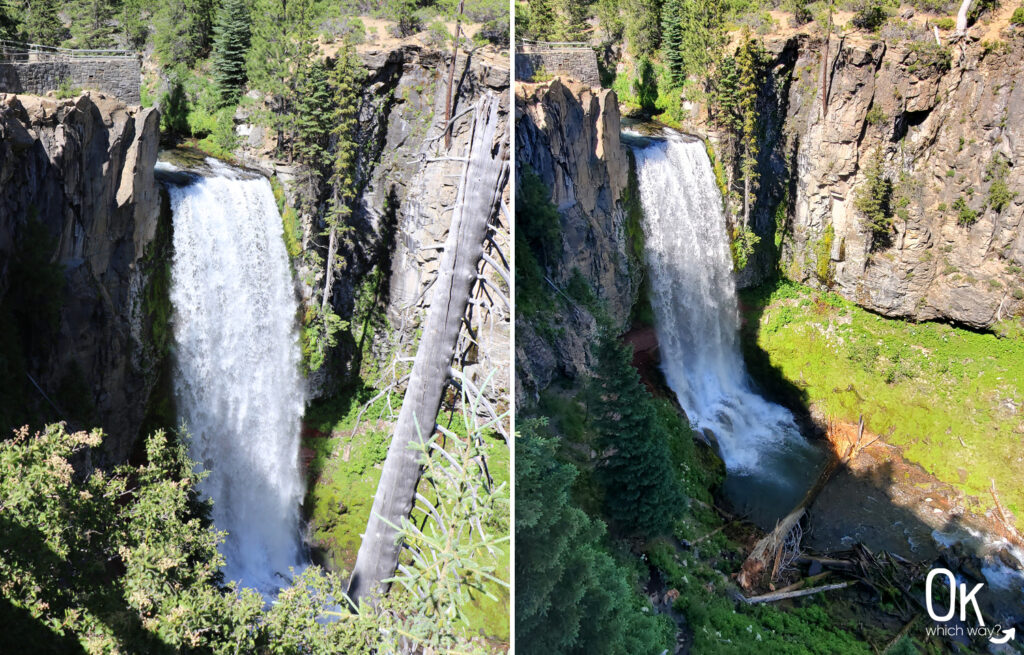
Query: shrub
<point x="876" y="116"/>
<point x="965" y="215"/>
<point x="999" y="195"/>
<point x="494" y="32"/>
<point x="437" y="33"/>
<point x="66" y="90"/>
<point x="872" y="14"/>
<point x="1018" y="16"/>
<point x="944" y="23"/>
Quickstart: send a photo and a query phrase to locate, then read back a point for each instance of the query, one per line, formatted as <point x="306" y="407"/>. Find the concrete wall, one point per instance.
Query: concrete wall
<point x="120" y="78"/>
<point x="579" y="64"/>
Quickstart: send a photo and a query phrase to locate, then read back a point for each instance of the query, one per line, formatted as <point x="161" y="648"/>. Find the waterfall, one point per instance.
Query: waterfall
<point x="237" y="382"/>
<point x="693" y="294"/>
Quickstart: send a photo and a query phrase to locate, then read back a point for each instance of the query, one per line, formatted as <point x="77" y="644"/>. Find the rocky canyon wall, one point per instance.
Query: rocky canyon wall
<point x="76" y="183"/>
<point x="568" y="135"/>
<point x="948" y="126"/>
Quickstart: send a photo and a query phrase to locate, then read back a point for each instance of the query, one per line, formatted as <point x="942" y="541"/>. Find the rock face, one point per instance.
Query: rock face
<point x="951" y="136"/>
<point x="82" y="169"/>
<point x="569" y="136"/>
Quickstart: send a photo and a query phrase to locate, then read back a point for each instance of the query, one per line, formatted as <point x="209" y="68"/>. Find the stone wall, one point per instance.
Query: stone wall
<point x="119" y="77"/>
<point x="576" y="63"/>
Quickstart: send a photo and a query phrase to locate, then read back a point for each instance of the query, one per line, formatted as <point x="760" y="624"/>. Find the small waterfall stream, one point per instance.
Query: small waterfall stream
<point x="693" y="294"/>
<point x="236" y="374"/>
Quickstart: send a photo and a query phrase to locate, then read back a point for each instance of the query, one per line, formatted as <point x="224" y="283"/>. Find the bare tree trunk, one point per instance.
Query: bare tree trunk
<point x="480" y="194"/>
<point x="329" y="271"/>
<point x="961" y="17"/>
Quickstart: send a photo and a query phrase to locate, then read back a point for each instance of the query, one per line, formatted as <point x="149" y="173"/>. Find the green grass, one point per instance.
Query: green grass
<point x="932" y="384"/>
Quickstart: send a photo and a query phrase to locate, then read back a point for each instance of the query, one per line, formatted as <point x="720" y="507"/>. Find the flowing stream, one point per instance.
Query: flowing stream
<point x="237" y="383"/>
<point x="768" y="462"/>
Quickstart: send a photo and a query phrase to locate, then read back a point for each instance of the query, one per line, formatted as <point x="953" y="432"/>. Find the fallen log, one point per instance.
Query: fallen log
<point x="783" y="595"/>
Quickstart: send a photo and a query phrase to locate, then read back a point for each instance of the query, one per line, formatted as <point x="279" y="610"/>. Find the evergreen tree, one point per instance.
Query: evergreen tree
<point x="230" y="43"/>
<point x="181" y="30"/>
<point x="642" y="496"/>
<point x="702" y="36"/>
<point x="749" y="65"/>
<point x="572" y="20"/>
<point x="672" y="40"/>
<point x="281" y="43"/>
<point x="642" y="20"/>
<point x="571" y="596"/>
<point x="8" y="21"/>
<point x="91" y="25"/>
<point x="541" y="20"/>
<point x="134" y="19"/>
<point x="42" y="23"/>
<point x="874" y="198"/>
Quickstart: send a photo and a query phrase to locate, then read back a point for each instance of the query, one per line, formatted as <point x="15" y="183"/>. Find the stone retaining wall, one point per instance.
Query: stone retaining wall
<point x="118" y="77"/>
<point x="579" y="64"/>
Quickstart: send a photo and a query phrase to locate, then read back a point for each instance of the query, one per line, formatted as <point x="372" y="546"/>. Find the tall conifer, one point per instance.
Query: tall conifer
<point x="231" y="36"/>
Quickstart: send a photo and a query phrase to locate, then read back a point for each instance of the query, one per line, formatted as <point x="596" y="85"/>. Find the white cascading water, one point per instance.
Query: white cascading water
<point x="237" y="382"/>
<point x="693" y="294"/>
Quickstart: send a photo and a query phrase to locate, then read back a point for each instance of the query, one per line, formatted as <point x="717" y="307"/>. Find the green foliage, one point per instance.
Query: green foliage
<point x="123" y="561"/>
<point x="66" y="89"/>
<point x="281" y="43"/>
<point x="90" y="23"/>
<point x="133" y="22"/>
<point x="742" y="246"/>
<point x="697" y="50"/>
<point x="1018" y="16"/>
<point x="571" y="596"/>
<point x="672" y="40"/>
<point x="231" y="35"/>
<point x="642" y="20"/>
<point x="874" y="198"/>
<point x="403" y="13"/>
<point x="946" y="23"/>
<point x="876" y="116"/>
<point x="965" y="216"/>
<point x="182" y="30"/>
<point x="823" y="255"/>
<point x="538" y="229"/>
<point x="929" y="57"/>
<point x="319" y="335"/>
<point x="174" y="108"/>
<point x="42" y="23"/>
<point x="538" y="20"/>
<point x="571" y="22"/>
<point x="872" y="14"/>
<point x="999" y="194"/>
<point x="640" y="488"/>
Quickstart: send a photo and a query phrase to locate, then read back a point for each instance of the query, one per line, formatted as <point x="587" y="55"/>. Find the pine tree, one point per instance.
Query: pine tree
<point x="281" y="43"/>
<point x="8" y="22"/>
<point x="231" y="36"/>
<point x="182" y="30"/>
<point x="91" y="23"/>
<point x="749" y="66"/>
<point x="642" y="496"/>
<point x="672" y="40"/>
<point x="572" y="20"/>
<point x="874" y="198"/>
<point x="42" y="23"/>
<point x="571" y="596"/>
<point x="542" y="20"/>
<point x="134" y="22"/>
